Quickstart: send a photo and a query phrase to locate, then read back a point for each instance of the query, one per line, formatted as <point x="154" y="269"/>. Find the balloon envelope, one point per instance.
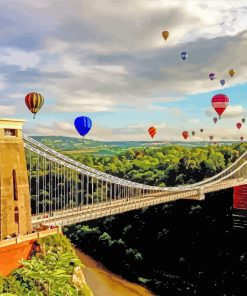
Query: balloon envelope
<point x="232" y="72"/>
<point x="211" y="138"/>
<point x="165" y="35"/>
<point x="215" y="119"/>
<point x="212" y="76"/>
<point x="220" y="103"/>
<point x="241" y="138"/>
<point x="238" y="125"/>
<point x="34" y="102"/>
<point x="243" y="120"/>
<point x="184" y="55"/>
<point x="201" y="130"/>
<point x="83" y="125"/>
<point x="152" y="131"/>
<point x="193" y="133"/>
<point x="185" y="134"/>
<point x="222" y="82"/>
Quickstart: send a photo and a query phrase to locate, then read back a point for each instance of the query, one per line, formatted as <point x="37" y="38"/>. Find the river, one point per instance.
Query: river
<point x="104" y="283"/>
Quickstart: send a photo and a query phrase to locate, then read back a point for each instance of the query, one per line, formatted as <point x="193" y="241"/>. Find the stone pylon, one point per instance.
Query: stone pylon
<point x="15" y="209"/>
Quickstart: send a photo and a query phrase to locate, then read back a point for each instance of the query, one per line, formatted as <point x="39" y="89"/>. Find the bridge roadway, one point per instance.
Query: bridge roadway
<point x="117" y="206"/>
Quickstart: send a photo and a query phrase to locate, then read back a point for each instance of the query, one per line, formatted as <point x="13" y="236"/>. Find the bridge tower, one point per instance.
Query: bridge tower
<point x="15" y="210"/>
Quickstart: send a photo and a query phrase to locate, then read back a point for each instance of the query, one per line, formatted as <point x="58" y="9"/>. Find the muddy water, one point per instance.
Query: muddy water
<point x="104" y="283"/>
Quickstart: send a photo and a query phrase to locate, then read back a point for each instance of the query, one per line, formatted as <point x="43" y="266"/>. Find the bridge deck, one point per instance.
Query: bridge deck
<point x="103" y="209"/>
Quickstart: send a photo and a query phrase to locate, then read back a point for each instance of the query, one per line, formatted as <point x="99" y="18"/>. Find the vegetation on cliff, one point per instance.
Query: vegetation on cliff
<point x="53" y="270"/>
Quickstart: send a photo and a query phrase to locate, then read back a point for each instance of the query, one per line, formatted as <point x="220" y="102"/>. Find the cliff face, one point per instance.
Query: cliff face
<point x="54" y="269"/>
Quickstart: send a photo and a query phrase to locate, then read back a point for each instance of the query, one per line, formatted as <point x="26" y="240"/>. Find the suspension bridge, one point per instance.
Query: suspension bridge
<point x="64" y="191"/>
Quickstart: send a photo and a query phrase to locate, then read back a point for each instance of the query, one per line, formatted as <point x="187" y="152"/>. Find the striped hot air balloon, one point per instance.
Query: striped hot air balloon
<point x="152" y="131"/>
<point x="220" y="103"/>
<point x="34" y="102"/>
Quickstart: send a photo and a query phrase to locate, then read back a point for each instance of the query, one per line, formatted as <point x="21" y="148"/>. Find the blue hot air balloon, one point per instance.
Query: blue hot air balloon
<point x="222" y="82"/>
<point x="83" y="125"/>
<point x="184" y="55"/>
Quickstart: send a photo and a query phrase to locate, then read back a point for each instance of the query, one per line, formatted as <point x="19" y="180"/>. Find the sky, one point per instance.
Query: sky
<point x="107" y="59"/>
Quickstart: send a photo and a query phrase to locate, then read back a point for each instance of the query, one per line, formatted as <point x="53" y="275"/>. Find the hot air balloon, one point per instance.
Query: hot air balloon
<point x="185" y="134"/>
<point x="211" y="138"/>
<point x="83" y="124"/>
<point x="165" y="35"/>
<point x="193" y="133"/>
<point x="152" y="131"/>
<point x="212" y="76"/>
<point x="184" y="55"/>
<point x="34" y="102"/>
<point x="232" y="72"/>
<point x="201" y="130"/>
<point x="215" y="119"/>
<point x="238" y="125"/>
<point x="241" y="138"/>
<point x="220" y="103"/>
<point x="243" y="120"/>
<point x="222" y="82"/>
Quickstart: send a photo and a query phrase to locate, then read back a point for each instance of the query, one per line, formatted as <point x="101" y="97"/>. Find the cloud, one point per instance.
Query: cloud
<point x="17" y="96"/>
<point x="7" y="110"/>
<point x="194" y="121"/>
<point x="231" y="112"/>
<point x="84" y="102"/>
<point x="19" y="58"/>
<point x="138" y="132"/>
<point x="100" y="56"/>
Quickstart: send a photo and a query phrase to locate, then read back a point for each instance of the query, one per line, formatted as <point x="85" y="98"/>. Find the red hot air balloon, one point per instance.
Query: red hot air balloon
<point x="152" y="131"/>
<point x="238" y="125"/>
<point x="185" y="134"/>
<point x="241" y="138"/>
<point x="215" y="119"/>
<point x="211" y="138"/>
<point x="220" y="103"/>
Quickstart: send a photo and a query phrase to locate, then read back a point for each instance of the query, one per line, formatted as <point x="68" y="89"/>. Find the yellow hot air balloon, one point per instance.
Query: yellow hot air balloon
<point x="165" y="34"/>
<point x="231" y="72"/>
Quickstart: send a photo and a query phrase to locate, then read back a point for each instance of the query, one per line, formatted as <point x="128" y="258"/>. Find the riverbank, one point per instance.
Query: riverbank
<point x="103" y="282"/>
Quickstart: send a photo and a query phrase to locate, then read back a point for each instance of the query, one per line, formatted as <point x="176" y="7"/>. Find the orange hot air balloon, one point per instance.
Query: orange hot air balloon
<point x="220" y="103"/>
<point x="34" y="102"/>
<point x="185" y="134"/>
<point x="238" y="125"/>
<point x="165" y="35"/>
<point x="211" y="138"/>
<point x="152" y="131"/>
<point x="231" y="72"/>
<point x="241" y="138"/>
